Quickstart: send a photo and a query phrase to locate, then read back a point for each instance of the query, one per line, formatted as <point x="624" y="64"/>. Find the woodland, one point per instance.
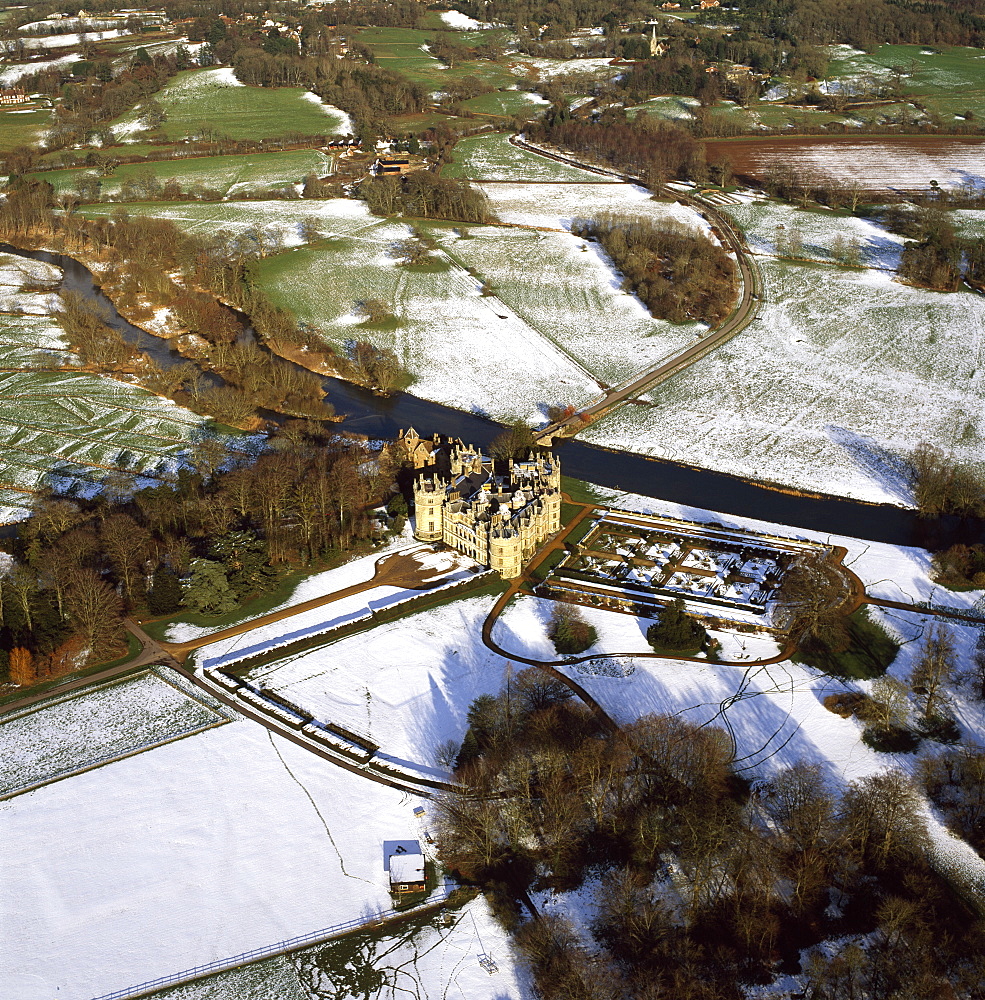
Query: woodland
<point x="704" y="884"/>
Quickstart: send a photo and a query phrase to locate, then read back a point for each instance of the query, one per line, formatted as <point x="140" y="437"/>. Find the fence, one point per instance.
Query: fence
<point x="269" y="951"/>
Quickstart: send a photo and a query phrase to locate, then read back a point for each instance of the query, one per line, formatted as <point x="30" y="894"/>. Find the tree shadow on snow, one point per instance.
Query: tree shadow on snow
<point x="891" y="471"/>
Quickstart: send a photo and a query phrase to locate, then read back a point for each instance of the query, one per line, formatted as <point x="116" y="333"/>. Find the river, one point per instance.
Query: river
<point x="382" y="417"/>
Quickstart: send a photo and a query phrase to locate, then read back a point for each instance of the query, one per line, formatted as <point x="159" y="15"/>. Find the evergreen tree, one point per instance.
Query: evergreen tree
<point x="208" y="590"/>
<point x="676" y="629"/>
<point x="165" y="594"/>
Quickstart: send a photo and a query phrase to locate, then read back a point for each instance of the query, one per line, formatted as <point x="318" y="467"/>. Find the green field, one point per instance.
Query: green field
<point x="225" y="174"/>
<point x="506" y="104"/>
<point x="208" y="101"/>
<point x="948" y="81"/>
<point x="669" y="106"/>
<point x="492" y="157"/>
<point x="22" y="128"/>
<point x="400" y="50"/>
<point x="280" y="220"/>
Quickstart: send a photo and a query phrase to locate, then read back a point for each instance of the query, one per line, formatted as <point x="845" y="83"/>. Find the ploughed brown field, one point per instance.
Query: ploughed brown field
<point x="875" y="163"/>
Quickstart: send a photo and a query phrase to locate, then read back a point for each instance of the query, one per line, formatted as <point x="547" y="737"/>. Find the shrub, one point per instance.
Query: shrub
<point x="569" y="631"/>
<point x="890" y="739"/>
<point x="848" y="703"/>
<point x="940" y="729"/>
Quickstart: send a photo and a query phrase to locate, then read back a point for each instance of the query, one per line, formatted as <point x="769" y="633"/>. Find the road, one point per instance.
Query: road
<point x="743" y="314"/>
<point x="401" y="569"/>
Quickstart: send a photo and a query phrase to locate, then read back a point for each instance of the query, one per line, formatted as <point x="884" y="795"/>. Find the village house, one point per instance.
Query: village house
<point x="13" y="96"/>
<point x="496" y="512"/>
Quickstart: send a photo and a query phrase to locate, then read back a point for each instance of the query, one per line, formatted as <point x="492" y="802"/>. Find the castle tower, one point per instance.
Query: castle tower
<point x="506" y="552"/>
<point x="429" y="502"/>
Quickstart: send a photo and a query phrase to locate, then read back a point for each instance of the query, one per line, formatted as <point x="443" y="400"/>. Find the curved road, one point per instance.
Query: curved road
<point x="743" y="314"/>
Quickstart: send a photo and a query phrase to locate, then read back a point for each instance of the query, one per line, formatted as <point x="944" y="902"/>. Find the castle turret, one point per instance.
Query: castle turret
<point x="429" y="502"/>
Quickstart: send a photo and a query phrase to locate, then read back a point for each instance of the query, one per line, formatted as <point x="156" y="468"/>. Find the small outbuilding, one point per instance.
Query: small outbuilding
<point x="407" y="874"/>
<point x="405" y="862"/>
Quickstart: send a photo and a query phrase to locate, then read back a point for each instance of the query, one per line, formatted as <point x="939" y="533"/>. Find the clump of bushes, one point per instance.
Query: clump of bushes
<point x="569" y="631"/>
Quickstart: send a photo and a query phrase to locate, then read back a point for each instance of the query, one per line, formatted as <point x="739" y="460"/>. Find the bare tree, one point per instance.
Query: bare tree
<point x="934" y="669"/>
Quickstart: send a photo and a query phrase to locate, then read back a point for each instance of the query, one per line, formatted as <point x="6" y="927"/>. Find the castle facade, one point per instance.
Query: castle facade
<point x="498" y="512"/>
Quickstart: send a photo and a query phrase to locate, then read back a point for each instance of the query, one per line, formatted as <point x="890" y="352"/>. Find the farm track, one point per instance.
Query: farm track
<point x="742" y="315"/>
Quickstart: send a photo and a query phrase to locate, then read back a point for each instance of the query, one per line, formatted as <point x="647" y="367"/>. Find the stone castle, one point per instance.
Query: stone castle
<point x="498" y="512"/>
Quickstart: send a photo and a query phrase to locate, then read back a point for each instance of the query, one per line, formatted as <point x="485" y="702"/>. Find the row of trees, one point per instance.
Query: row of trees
<point x="705" y="885"/>
<point x="676" y="271"/>
<point x="208" y="536"/>
<point x="942" y="485"/>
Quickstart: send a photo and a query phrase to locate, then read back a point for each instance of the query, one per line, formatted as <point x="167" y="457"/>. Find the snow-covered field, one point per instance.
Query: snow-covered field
<point x="280" y="221"/>
<point x="67" y="423"/>
<point x="493" y="157"/>
<point x="196" y="851"/>
<point x="63" y="41"/>
<point x="845" y="372"/>
<point x="447" y="327"/>
<point x="540" y="68"/>
<point x="11" y="73"/>
<point x="570" y="295"/>
<point x="425" y="958"/>
<point x="233" y="176"/>
<point x="406" y="684"/>
<point x="461" y="22"/>
<point x="556" y="205"/>
<point x="770" y="226"/>
<point x="449" y="568"/>
<point x="81" y="730"/>
<point x="891" y="166"/>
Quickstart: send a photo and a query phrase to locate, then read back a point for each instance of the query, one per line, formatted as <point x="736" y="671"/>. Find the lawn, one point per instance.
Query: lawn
<point x="229" y="175"/>
<point x="212" y="101"/>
